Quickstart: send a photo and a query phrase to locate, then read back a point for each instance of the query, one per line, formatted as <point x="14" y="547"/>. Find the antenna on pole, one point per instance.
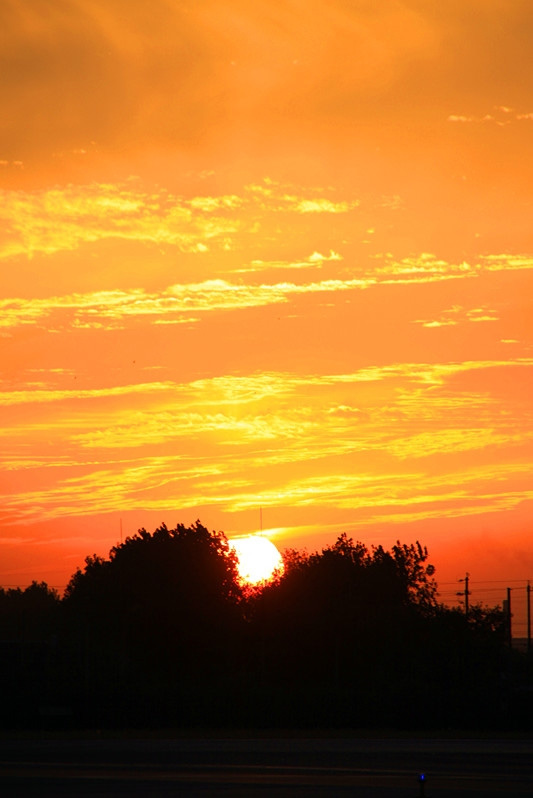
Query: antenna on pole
<point x="121" y="531"/>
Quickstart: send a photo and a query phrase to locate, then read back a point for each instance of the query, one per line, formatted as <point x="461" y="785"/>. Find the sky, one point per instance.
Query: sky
<point x="266" y="265"/>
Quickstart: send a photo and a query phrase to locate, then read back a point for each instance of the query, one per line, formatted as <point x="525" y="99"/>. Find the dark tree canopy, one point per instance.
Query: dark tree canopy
<point x="173" y="588"/>
<point x="190" y="562"/>
<point x="345" y="609"/>
<point x="28" y="614"/>
<point x="347" y="573"/>
<point x="161" y="632"/>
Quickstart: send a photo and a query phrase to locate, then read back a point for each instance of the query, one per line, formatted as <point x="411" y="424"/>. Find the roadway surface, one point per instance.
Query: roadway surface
<point x="280" y="767"/>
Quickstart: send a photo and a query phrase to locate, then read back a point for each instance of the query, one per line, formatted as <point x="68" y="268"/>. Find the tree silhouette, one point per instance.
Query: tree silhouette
<point x="28" y="626"/>
<point x="162" y="632"/>
<point x="158" y="617"/>
<point x="346" y="621"/>
<point x="28" y="614"/>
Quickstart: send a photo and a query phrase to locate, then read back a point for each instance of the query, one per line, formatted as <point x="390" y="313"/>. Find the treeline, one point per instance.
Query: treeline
<point x="161" y="633"/>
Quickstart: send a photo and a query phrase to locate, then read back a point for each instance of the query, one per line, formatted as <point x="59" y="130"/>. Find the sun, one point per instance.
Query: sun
<point x="258" y="558"/>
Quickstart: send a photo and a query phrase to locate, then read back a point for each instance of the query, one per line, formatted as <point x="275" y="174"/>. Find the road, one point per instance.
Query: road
<point x="278" y="767"/>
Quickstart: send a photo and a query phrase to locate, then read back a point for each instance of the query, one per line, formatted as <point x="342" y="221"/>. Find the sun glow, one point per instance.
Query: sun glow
<point x="258" y="558"/>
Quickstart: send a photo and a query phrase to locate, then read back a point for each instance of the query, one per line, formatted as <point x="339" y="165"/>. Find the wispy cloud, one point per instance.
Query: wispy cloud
<point x="111" y="308"/>
<point x="237" y="389"/>
<point x="175" y="304"/>
<point x="382" y="440"/>
<point x="428" y="268"/>
<point x="314" y="261"/>
<point x="506" y="262"/>
<point x="396" y="498"/>
<point x="106" y="489"/>
<point x="38" y="396"/>
<point x="453" y="440"/>
<point x="458" y="315"/>
<point x="500" y="115"/>
<point x="63" y="219"/>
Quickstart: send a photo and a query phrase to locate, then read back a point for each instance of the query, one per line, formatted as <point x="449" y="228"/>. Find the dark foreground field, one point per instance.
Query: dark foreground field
<point x="278" y="767"/>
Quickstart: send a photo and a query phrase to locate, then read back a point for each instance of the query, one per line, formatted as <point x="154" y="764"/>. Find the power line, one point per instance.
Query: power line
<point x="465" y="592"/>
<point x="490" y="581"/>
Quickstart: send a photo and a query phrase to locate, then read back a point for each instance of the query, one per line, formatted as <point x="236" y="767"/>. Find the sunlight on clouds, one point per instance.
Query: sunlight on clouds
<point x="153" y="428"/>
<point x="453" y="493"/>
<point x="453" y="508"/>
<point x="262" y="426"/>
<point x="237" y="389"/>
<point x="209" y="204"/>
<point x="315" y="260"/>
<point x="503" y="262"/>
<point x="323" y="206"/>
<point x="451" y="441"/>
<point x="63" y="219"/>
<point x="105" y="489"/>
<point x="500" y="115"/>
<point x="482" y="314"/>
<point x="219" y="294"/>
<point x="255" y="387"/>
<point x="350" y="434"/>
<point x="324" y="490"/>
<point x="33" y="396"/>
<point x="272" y="195"/>
<point x="317" y="257"/>
<point x="56" y="220"/>
<point x="113" y="306"/>
<point x="426" y="267"/>
<point x="271" y="254"/>
<point x="458" y="315"/>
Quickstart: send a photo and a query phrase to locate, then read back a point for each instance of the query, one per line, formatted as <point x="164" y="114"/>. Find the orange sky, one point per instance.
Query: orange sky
<point x="274" y="254"/>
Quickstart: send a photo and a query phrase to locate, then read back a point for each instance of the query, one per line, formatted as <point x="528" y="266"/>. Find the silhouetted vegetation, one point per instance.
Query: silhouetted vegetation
<point x="29" y="622"/>
<point x="162" y="633"/>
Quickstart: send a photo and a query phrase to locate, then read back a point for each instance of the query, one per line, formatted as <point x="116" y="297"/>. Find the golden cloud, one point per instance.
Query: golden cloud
<point x="241" y="436"/>
<point x="105" y="308"/>
<point x="63" y="219"/>
<point x="315" y="260"/>
<point x="58" y="220"/>
<point x="500" y="115"/>
<point x="39" y="396"/>
<point x="458" y="315"/>
<point x="426" y="267"/>
<point x="253" y="388"/>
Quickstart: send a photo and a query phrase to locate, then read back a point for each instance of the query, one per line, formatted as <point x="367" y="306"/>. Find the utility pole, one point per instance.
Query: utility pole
<point x="465" y="592"/>
<point x="508" y="616"/>
<point x="528" y="593"/>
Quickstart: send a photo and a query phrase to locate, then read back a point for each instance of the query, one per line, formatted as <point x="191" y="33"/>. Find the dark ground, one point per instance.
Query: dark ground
<point x="285" y="765"/>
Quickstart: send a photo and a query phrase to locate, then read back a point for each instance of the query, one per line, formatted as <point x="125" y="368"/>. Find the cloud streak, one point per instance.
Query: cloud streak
<point x="64" y="219"/>
<point x="112" y="308"/>
<point x="458" y="315"/>
<point x="389" y="451"/>
<point x="500" y="115"/>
